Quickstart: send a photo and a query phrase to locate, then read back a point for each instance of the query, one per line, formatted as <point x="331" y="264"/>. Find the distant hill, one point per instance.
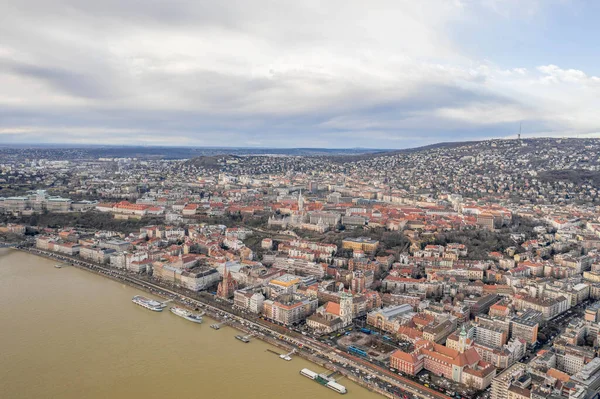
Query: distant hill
<point x="337" y="155"/>
<point x="383" y="153"/>
<point x="67" y="151"/>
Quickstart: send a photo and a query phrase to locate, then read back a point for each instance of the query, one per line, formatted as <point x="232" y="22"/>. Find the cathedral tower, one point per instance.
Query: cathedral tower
<point x="346" y="308"/>
<point x="462" y="340"/>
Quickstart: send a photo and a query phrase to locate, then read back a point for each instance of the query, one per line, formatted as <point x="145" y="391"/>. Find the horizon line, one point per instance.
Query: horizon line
<point x="80" y="145"/>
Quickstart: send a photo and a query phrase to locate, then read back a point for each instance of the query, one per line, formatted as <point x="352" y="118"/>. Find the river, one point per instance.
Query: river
<point x="66" y="333"/>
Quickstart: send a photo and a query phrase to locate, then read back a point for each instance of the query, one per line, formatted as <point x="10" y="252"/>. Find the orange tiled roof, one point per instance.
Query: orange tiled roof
<point x="407" y="357"/>
<point x="449" y="355"/>
<point x="559" y="375"/>
<point x="333" y="308"/>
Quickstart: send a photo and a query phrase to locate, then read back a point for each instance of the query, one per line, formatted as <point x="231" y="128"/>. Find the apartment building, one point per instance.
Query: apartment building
<point x="289" y="309"/>
<point x="481" y="304"/>
<point x="440" y="331"/>
<point x="95" y="254"/>
<point x="491" y="336"/>
<point x="502" y="382"/>
<point x="549" y="307"/>
<point x="526" y="326"/>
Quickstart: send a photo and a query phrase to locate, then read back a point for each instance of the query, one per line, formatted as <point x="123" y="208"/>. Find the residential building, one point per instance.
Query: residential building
<point x="289" y="309"/>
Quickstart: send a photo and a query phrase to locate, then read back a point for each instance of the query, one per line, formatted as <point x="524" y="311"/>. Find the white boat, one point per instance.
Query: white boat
<point x="336" y="387"/>
<point x="58" y="265"/>
<point x="244" y="338"/>
<point x="186" y="314"/>
<point x="149" y="304"/>
<point x="308" y="373"/>
<point x="324" y="379"/>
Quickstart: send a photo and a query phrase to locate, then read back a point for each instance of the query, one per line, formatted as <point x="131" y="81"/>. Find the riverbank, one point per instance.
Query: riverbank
<point x="259" y="331"/>
<point x="70" y="334"/>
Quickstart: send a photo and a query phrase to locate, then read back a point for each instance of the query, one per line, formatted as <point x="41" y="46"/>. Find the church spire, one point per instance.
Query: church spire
<point x="227" y="285"/>
<point x="462" y="339"/>
<point x="300" y="201"/>
<point x="346" y="308"/>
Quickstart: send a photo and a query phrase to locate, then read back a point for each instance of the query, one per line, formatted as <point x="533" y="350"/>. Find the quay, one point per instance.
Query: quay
<point x="279" y="336"/>
<point x="8" y="245"/>
<point x="287" y="356"/>
<point x="284" y="356"/>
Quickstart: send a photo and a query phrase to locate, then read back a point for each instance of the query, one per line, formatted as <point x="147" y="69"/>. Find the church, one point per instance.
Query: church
<point x="463" y="364"/>
<point x="227" y="286"/>
<point x="299" y="219"/>
<point x="332" y="316"/>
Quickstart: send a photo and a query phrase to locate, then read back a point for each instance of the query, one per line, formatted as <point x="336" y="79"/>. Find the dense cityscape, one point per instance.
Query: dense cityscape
<point x="466" y="270"/>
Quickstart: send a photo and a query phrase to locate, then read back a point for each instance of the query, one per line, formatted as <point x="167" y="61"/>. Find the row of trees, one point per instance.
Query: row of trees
<point x="87" y="220"/>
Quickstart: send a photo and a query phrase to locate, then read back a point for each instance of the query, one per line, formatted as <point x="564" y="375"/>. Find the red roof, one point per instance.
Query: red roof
<point x="406" y="357"/>
<point x="333" y="308"/>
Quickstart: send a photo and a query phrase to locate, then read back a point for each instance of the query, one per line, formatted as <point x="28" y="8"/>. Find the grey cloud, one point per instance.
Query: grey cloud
<point x="397" y="124"/>
<point x="70" y="82"/>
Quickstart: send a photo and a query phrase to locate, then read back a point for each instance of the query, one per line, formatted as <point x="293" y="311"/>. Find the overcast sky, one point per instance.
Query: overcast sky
<point x="278" y="73"/>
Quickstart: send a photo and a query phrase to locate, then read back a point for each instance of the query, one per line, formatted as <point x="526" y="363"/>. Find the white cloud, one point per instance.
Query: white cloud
<point x="202" y="68"/>
<point x="555" y="74"/>
<point x="486" y="114"/>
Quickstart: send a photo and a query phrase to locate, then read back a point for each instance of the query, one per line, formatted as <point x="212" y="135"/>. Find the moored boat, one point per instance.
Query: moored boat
<point x="243" y="338"/>
<point x="186" y="314"/>
<point x="325" y="380"/>
<point x="149" y="304"/>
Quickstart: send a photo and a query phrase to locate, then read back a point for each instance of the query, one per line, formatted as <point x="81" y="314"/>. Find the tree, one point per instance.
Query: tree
<point x="542" y="338"/>
<point x="590" y="340"/>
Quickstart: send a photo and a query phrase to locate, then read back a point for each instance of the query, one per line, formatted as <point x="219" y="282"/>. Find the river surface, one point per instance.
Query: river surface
<point x="67" y="333"/>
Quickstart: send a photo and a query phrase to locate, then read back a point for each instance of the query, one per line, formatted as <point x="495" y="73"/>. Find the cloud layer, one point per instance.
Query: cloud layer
<point x="274" y="73"/>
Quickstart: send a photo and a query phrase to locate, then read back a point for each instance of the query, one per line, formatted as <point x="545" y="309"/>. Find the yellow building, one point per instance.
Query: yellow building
<point x="285" y="281"/>
<point x="360" y="243"/>
<point x="592" y="276"/>
<point x="286" y="284"/>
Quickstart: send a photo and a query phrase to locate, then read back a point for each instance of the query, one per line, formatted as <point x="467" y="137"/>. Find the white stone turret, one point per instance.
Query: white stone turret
<point x="300" y="202"/>
<point x="346" y="308"/>
<point x="462" y="340"/>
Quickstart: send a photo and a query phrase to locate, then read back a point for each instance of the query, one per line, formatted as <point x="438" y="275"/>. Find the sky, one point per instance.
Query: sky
<point x="276" y="73"/>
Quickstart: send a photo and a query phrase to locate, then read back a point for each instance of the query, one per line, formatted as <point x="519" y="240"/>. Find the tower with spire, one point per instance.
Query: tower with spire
<point x="300" y="202"/>
<point x="346" y="308"/>
<point x="462" y="340"/>
<point x="227" y="286"/>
